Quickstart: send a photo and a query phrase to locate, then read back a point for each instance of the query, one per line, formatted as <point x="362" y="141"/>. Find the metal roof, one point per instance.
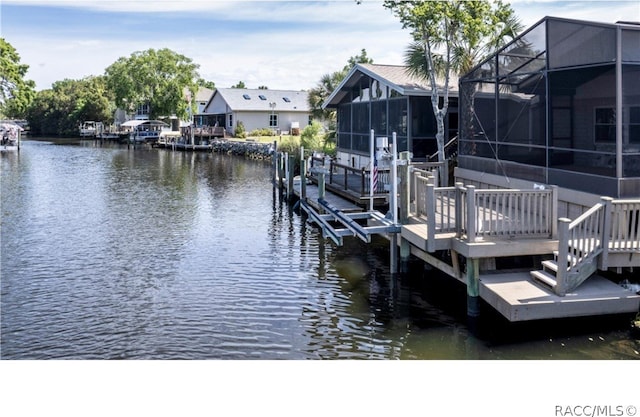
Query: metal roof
<point x="394" y="76"/>
<point x="244" y="99"/>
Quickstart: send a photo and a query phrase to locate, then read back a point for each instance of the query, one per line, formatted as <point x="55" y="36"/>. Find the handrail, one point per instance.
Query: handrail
<point x="348" y="178"/>
<point x="579" y="243"/>
<point x="447" y="146"/>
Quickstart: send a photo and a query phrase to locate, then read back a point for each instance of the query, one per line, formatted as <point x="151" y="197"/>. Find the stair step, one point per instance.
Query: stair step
<point x="571" y="260"/>
<point x="550" y="266"/>
<point x="544" y="278"/>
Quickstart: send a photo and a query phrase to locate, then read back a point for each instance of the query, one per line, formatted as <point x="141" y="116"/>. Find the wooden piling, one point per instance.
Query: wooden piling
<point x="473" y="287"/>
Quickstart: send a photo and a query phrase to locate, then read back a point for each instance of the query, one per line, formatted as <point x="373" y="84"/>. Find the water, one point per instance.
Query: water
<point x="115" y="253"/>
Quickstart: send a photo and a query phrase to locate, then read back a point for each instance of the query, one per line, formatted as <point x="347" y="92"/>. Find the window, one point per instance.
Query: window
<point x="142" y="110"/>
<point x="605" y="124"/>
<point x="310" y="122"/>
<point x="246" y="96"/>
<point x="262" y="97"/>
<point x="634" y="124"/>
<point x="286" y="99"/>
<point x="273" y="120"/>
<point x="231" y="120"/>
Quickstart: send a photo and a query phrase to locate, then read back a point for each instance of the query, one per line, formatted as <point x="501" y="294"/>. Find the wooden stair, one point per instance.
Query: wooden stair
<point x="548" y="275"/>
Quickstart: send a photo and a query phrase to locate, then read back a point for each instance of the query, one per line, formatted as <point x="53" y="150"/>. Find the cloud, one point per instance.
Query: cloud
<point x="281" y="44"/>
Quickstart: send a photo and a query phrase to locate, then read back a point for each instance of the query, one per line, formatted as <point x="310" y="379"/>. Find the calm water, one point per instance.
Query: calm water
<point x="115" y="253"/>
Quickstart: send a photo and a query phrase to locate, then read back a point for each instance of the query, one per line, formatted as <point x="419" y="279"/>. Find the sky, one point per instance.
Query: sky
<point x="285" y="45"/>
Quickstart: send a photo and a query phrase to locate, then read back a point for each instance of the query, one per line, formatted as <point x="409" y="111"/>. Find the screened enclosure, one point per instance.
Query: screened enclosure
<point x="387" y="99"/>
<point x="558" y="105"/>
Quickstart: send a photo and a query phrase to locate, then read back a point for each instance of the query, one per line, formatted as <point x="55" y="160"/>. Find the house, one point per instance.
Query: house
<point x="202" y="98"/>
<point x="387" y="99"/>
<point x="280" y="110"/>
<point x="143" y="111"/>
<point x="558" y="105"/>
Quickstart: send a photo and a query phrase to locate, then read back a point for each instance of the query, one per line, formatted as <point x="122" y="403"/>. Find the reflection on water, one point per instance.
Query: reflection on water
<point x="110" y="252"/>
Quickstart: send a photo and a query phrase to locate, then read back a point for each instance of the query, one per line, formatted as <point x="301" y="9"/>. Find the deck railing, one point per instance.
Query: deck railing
<point x="484" y="214"/>
<point x="624" y="235"/>
<point x="505" y="213"/>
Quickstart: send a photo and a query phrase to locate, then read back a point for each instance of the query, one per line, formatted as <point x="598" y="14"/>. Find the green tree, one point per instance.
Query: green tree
<point x="16" y="93"/>
<point x="60" y="110"/>
<point x="327" y="84"/>
<point x="206" y="84"/>
<point x="451" y="37"/>
<point x="159" y="78"/>
<point x="239" y="85"/>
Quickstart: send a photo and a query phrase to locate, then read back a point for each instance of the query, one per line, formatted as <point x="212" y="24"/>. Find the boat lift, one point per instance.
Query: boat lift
<point x="378" y="223"/>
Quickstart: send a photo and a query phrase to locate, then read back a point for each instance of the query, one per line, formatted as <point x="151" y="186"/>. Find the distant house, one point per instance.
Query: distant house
<point x="558" y="105"/>
<point x="143" y="111"/>
<point x="202" y="98"/>
<point x="387" y="99"/>
<point x="281" y="110"/>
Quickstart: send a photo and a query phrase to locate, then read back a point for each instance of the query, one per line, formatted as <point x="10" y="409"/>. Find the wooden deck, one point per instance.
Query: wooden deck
<point x="463" y="230"/>
<point x="518" y="298"/>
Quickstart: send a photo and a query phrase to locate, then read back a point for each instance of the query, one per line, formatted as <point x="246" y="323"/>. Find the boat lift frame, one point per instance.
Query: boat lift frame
<point x="351" y="228"/>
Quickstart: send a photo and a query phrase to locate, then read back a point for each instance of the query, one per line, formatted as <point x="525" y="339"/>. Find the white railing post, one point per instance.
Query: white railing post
<point x="563" y="255"/>
<point x="605" y="233"/>
<point x="431" y="217"/>
<point x="406" y="178"/>
<point x="458" y="209"/>
<point x="554" y="212"/>
<point x="471" y="214"/>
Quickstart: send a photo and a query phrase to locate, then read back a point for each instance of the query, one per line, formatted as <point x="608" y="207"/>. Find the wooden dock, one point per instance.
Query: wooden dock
<point x="463" y="231"/>
<point x="518" y="298"/>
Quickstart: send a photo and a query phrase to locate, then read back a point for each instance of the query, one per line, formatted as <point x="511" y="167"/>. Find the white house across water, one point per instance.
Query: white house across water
<point x="279" y="110"/>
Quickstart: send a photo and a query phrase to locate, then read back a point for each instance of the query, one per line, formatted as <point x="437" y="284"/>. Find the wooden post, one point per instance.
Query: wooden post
<point x="554" y="212"/>
<point x="603" y="259"/>
<point x="321" y="185"/>
<point x="444" y="178"/>
<point x="473" y="287"/>
<point x="405" y="186"/>
<point x="372" y="155"/>
<point x="290" y="167"/>
<point x="431" y="217"/>
<point x="458" y="209"/>
<point x="563" y="255"/>
<point x="405" y="197"/>
<point x="393" y="205"/>
<point x="303" y="179"/>
<point x="471" y="214"/>
<point x="281" y="170"/>
<point x="274" y="162"/>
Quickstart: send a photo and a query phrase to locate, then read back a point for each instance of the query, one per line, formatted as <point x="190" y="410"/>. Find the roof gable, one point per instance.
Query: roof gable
<point x="395" y="77"/>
